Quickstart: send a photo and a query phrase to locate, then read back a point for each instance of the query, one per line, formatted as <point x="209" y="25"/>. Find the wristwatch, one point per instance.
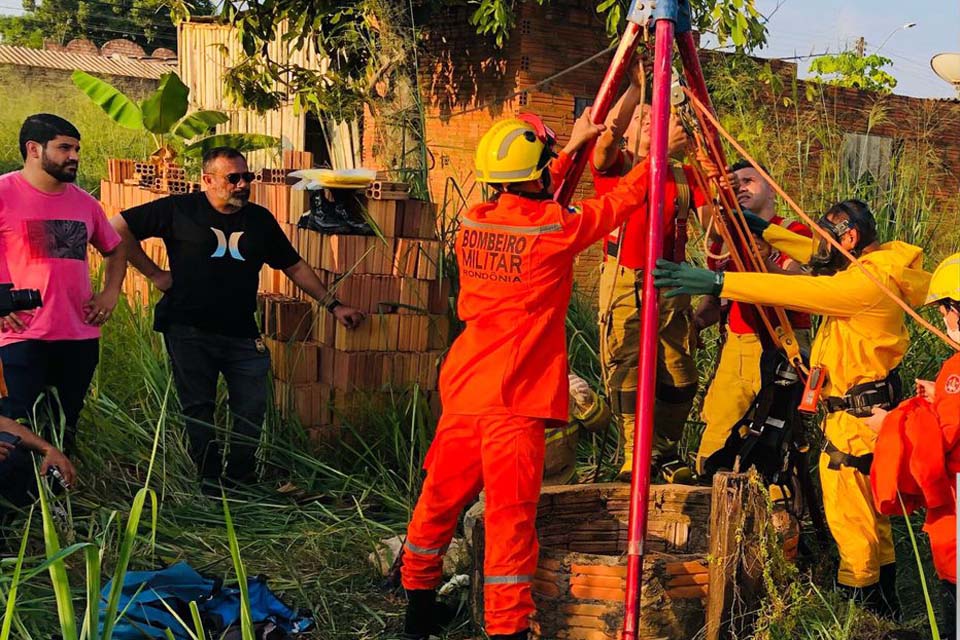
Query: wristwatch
<point x="333" y="304"/>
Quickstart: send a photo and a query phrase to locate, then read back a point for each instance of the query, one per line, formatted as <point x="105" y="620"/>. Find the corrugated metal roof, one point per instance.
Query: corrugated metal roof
<point x="114" y="66"/>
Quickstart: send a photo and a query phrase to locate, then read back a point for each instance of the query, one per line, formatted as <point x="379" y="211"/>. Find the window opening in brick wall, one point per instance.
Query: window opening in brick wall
<point x="523" y="99"/>
<point x="579" y="104"/>
<point x="524" y="63"/>
<point x="524" y="27"/>
<point x="866" y="158"/>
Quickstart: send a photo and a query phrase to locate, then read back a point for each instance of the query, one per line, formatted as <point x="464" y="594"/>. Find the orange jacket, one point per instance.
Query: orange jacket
<point x="515" y="257"/>
<point x="917" y="455"/>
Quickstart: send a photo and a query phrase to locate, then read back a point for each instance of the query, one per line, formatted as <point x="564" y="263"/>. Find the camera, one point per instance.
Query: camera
<point x="18" y="299"/>
<point x="55" y="475"/>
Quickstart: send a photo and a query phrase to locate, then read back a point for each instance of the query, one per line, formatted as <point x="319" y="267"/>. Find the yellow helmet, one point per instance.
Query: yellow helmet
<point x="514" y="150"/>
<point x="945" y="283"/>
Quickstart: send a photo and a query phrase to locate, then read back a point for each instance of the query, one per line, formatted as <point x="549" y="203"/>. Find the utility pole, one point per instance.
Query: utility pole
<point x="861" y="46"/>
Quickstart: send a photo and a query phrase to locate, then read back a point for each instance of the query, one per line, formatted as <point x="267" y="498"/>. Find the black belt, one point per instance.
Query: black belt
<point x="841" y="459"/>
<point x="861" y="400"/>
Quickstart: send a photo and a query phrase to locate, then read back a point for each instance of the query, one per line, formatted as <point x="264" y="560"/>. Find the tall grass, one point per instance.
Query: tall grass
<point x="50" y="93"/>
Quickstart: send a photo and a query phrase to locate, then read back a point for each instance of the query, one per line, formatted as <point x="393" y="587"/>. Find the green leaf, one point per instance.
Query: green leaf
<point x="242" y="142"/>
<point x="165" y="106"/>
<point x="198" y="123"/>
<point x="92" y="615"/>
<point x="246" y="620"/>
<point x="934" y="629"/>
<point x="58" y="570"/>
<point x="114" y="103"/>
<point x="15" y="582"/>
<point x="123" y="557"/>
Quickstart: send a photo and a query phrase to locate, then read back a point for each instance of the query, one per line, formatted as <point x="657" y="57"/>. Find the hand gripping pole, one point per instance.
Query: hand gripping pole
<point x="637" y="17"/>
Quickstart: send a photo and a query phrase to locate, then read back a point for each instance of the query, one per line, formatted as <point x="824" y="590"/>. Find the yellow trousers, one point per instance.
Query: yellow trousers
<point x="734" y="387"/>
<point x="863" y="536"/>
<point x="619" y="353"/>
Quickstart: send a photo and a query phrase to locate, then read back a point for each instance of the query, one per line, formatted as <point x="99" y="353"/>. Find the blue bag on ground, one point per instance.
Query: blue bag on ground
<point x="147" y="598"/>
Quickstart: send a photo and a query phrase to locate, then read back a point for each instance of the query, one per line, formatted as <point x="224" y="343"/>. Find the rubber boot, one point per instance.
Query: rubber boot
<point x="323" y="215"/>
<point x="870" y="598"/>
<point x="670" y="418"/>
<point x="519" y="635"/>
<point x="341" y="208"/>
<point x="890" y="601"/>
<point x="424" y="616"/>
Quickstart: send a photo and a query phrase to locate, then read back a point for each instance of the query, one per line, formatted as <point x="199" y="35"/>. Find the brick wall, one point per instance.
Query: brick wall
<point x="467" y="84"/>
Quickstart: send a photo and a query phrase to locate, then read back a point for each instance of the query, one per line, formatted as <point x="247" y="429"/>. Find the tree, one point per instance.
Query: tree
<point x="850" y="69"/>
<point x="163" y="114"/>
<point x="735" y="20"/>
<point x="149" y="23"/>
<point x="351" y="32"/>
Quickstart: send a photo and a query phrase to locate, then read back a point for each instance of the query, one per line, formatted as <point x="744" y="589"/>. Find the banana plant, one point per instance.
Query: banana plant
<point x="163" y="115"/>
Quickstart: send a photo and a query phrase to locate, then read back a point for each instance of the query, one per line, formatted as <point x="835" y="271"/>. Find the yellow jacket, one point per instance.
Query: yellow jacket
<point x="799" y="248"/>
<point x="863" y="335"/>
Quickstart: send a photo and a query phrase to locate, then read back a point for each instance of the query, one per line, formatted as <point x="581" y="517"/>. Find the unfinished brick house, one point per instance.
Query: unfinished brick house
<point x="466" y="84"/>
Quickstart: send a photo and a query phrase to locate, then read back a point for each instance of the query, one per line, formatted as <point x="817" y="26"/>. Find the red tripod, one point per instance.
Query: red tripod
<point x="672" y="24"/>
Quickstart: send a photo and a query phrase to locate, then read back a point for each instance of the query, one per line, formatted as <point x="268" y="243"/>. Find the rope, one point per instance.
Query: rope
<point x="783" y="335"/>
<point x="816" y="227"/>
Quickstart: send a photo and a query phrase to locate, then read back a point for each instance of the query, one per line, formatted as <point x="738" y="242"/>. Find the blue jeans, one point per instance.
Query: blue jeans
<point x="198" y="359"/>
<point x="31" y="367"/>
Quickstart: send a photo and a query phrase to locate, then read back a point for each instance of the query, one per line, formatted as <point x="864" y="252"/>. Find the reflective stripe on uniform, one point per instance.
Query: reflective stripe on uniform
<point x="507" y="579"/>
<point x="526" y="231"/>
<point x="561" y="432"/>
<point x="423" y="550"/>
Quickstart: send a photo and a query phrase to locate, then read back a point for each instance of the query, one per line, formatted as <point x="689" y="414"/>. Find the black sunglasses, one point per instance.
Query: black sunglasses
<point x="246" y="176"/>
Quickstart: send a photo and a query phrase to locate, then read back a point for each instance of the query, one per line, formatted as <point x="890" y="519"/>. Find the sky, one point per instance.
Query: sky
<point x="803" y="27"/>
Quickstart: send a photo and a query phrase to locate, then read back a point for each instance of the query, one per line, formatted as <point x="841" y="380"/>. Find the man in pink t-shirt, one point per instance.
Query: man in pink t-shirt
<point x="46" y="223"/>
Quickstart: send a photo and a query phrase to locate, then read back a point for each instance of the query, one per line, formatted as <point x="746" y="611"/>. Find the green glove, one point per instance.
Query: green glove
<point x="683" y="278"/>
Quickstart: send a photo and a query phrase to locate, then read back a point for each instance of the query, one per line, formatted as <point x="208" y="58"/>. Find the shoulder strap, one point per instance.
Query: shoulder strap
<point x="682" y="212"/>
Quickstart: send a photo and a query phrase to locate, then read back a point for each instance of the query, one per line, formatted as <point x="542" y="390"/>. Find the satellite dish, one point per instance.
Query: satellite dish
<point x="947" y="66"/>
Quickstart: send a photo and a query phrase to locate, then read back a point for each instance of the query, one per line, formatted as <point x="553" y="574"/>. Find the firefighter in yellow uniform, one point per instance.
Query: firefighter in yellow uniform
<point x="857" y="350"/>
<point x="626" y="140"/>
<point x="736" y="381"/>
<point x="588" y="411"/>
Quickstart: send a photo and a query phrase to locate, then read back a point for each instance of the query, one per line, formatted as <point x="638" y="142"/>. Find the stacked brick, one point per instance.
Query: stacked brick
<point x="580" y="582"/>
<point x="130" y="184"/>
<point x="323" y="373"/>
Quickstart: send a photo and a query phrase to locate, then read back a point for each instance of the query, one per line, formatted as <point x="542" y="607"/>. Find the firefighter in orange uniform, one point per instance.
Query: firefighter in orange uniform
<point x="505" y="378"/>
<point x="918" y="448"/>
<point x="626" y="140"/>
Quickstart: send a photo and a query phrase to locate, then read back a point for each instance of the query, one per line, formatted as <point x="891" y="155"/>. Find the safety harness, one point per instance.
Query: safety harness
<point x="860" y="401"/>
<point x="841" y="459"/>
<point x="682" y="206"/>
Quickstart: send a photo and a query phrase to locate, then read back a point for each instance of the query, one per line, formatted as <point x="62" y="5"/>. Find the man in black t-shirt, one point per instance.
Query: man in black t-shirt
<point x="217" y="242"/>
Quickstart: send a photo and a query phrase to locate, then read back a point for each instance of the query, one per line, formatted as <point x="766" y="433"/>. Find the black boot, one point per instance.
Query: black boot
<point x="870" y="597"/>
<point x="341" y="200"/>
<point x="890" y="601"/>
<point x="519" y="635"/>
<point x="425" y="616"/>
<point x="323" y="215"/>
